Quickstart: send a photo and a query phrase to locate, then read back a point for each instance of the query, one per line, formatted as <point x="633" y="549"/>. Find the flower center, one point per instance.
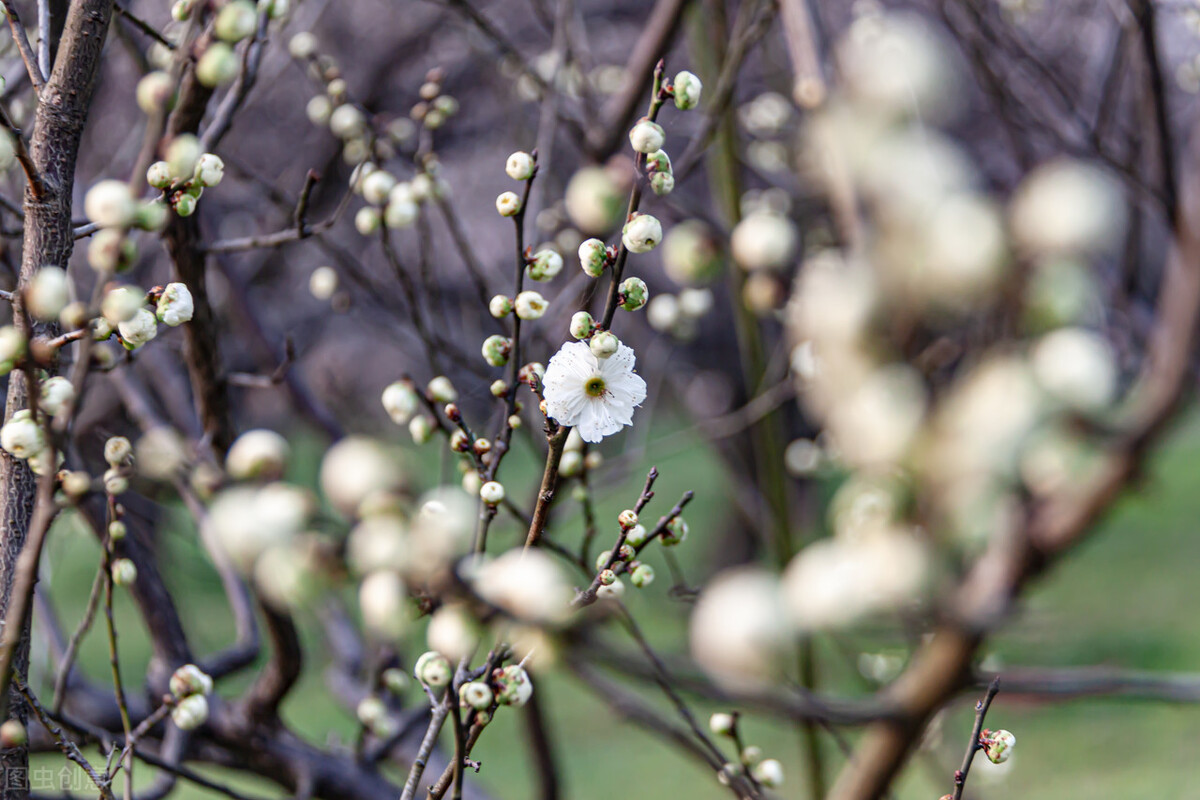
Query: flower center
<point x="594" y="386"/>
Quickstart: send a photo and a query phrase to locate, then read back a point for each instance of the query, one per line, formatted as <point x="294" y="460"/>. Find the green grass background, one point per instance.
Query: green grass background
<point x="1125" y="598"/>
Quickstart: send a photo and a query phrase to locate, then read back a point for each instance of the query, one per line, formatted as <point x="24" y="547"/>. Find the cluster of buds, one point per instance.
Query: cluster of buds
<point x="185" y="174"/>
<point x="434" y="107"/>
<point x="658" y="170"/>
<point x="110" y="204"/>
<point x="767" y="772"/>
<point x="126" y="312"/>
<point x="190" y="688"/>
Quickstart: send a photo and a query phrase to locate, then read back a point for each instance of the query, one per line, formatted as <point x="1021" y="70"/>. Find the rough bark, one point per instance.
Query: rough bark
<point x="48" y="239"/>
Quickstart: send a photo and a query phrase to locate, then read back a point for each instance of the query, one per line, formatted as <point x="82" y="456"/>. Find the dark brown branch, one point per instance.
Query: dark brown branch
<point x="973" y="744"/>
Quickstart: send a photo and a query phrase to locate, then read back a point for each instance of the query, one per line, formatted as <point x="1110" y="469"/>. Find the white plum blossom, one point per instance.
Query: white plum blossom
<point x="595" y="396"/>
<point x="140" y="329"/>
<point x="175" y="306"/>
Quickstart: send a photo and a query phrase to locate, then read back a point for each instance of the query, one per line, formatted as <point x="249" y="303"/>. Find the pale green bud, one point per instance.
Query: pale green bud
<point x="218" y="66"/>
<point x="496" y="349"/>
<point x="642" y="575"/>
<point x="633" y="294"/>
<point x="687" y="90"/>
<point x="641" y="234"/>
<point x="545" y="265"/>
<point x="433" y="670"/>
<point x="604" y="344"/>
<point x="593" y="257"/>
<point x="582" y="325"/>
<point x="647" y="136"/>
<point x="500" y="306"/>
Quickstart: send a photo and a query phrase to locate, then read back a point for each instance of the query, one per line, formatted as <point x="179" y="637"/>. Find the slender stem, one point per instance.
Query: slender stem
<point x="973" y="744"/>
<point x="436" y="720"/>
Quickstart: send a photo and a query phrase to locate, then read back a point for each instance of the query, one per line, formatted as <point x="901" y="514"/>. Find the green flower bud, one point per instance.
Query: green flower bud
<point x="513" y="686"/>
<point x="593" y="257"/>
<point x="642" y="575"/>
<point x="998" y="745"/>
<point x="476" y="694"/>
<point x="636" y="536"/>
<point x="500" y="306"/>
<point x="658" y="161"/>
<point x="687" y="90"/>
<point x="662" y="183"/>
<point x="236" y="21"/>
<point x="124" y="572"/>
<point x="675" y="532"/>
<point x="582" y="325"/>
<point x="433" y="670"/>
<point x="185" y="204"/>
<point x="154" y="91"/>
<point x="633" y="294"/>
<point x="218" y="66"/>
<point x="496" y="349"/>
<point x="545" y="265"/>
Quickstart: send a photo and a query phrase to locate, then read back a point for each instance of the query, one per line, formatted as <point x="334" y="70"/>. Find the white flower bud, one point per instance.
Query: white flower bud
<point x="452" y="632"/>
<point x="323" y="282"/>
<point x="769" y="773"/>
<point x="420" y="429"/>
<point x="571" y="464"/>
<point x="191" y="712"/>
<point x="139" y="329"/>
<point x="604" y="345"/>
<point x="593" y="257"/>
<point x="687" y="90"/>
<point x="210" y="169"/>
<point x="12" y="348"/>
<point x="492" y="493"/>
<point x="520" y="166"/>
<point x="21" y="437"/>
<point x="545" y="265"/>
<point x="158" y="175"/>
<point x="764" y="240"/>
<point x="500" y="306"/>
<point x="1077" y="368"/>
<point x="110" y="204"/>
<point x="124" y="572"/>
<point x="647" y="136"/>
<point x="257" y="454"/>
<point x="57" y="394"/>
<point x="441" y="390"/>
<point x="636" y="536"/>
<point x="318" y="110"/>
<point x="115" y="483"/>
<point x="395" y="680"/>
<point x="303" y="45"/>
<point x="513" y="687"/>
<point x="117" y="530"/>
<point x="611" y="591"/>
<point x="382" y="598"/>
<point x="189" y="680"/>
<point x="122" y="303"/>
<point x="1067" y="207"/>
<point x="642" y="575"/>
<point x="370" y="711"/>
<point x="377" y="186"/>
<point x="433" y="670"/>
<point x="236" y="21"/>
<point x="153" y="91"/>
<point x="691" y="254"/>
<point x="182" y="154"/>
<point x="721" y="724"/>
<point x="641" y="234"/>
<point x="400" y="401"/>
<point x="508" y="204"/>
<point x="118" y="451"/>
<point x="48" y="293"/>
<point x="354" y="469"/>
<point x="582" y="325"/>
<point x="400" y="213"/>
<point x="367" y="220"/>
<point x="998" y="746"/>
<point x="175" y="304"/>
<point x="594" y="200"/>
<point x="627" y="518"/>
<point x="217" y="66"/>
<point x="476" y="694"/>
<point x="347" y="122"/>
<point x="530" y="305"/>
<point x="663" y="312"/>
